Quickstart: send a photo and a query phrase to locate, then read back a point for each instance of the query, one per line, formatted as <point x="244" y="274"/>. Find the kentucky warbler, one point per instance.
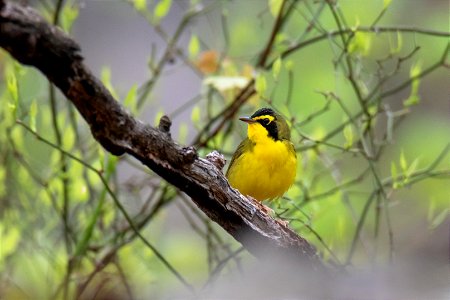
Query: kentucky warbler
<point x="264" y="164"/>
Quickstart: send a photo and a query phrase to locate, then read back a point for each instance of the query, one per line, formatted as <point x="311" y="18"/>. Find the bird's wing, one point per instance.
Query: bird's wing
<point x="238" y="153"/>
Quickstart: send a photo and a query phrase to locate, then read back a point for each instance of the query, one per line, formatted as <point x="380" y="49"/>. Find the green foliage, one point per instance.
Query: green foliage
<point x="140" y="5"/>
<point x="348" y="134"/>
<point x="414" y="97"/>
<point x="195" y="116"/>
<point x="106" y="80"/>
<point x="131" y="99"/>
<point x="276" y="68"/>
<point x="275" y="6"/>
<point x="360" y="43"/>
<point x="161" y="10"/>
<point x="194" y="46"/>
<point x="69" y="15"/>
<point x="261" y="84"/>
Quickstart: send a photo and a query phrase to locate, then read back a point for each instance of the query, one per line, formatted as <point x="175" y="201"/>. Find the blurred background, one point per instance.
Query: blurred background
<point x="370" y="118"/>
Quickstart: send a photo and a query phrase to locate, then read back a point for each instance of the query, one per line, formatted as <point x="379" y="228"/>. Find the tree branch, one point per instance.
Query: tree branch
<point x="32" y="41"/>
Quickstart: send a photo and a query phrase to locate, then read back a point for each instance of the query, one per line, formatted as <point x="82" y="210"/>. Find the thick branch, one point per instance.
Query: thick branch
<point x="32" y="41"/>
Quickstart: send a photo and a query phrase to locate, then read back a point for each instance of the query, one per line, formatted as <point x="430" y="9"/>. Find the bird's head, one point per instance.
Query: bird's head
<point x="266" y="123"/>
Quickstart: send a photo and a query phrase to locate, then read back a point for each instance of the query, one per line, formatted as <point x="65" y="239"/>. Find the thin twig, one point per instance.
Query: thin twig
<point x="117" y="203"/>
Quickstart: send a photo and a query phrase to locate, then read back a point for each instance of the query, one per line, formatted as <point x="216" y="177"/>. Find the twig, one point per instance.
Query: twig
<point x="116" y="201"/>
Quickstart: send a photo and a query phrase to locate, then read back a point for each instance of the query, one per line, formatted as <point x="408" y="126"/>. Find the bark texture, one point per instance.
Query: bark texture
<point x="32" y="41"/>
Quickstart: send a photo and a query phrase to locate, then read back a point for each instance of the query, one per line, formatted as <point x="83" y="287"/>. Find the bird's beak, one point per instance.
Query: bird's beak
<point x="247" y="120"/>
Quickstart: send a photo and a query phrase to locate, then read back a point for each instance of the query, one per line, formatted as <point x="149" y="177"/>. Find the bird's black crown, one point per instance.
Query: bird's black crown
<point x="263" y="112"/>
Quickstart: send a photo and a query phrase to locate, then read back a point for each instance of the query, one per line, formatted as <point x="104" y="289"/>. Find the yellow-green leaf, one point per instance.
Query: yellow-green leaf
<point x="130" y="100"/>
<point x="348" y="134"/>
<point x="195" y="115"/>
<point x="386" y="3"/>
<point x="69" y="15"/>
<point x="33" y="114"/>
<point x="2" y="182"/>
<point x="289" y="65"/>
<point x="11" y="84"/>
<point x="403" y="163"/>
<point x="412" y="167"/>
<point x="360" y="44"/>
<point x="394" y="175"/>
<point x="396" y="49"/>
<point x="161" y="10"/>
<point x="437" y="220"/>
<point x="194" y="46"/>
<point x="183" y="133"/>
<point x="275" y="6"/>
<point x="276" y="67"/>
<point x="158" y="117"/>
<point x="260" y="84"/>
<point x="106" y="80"/>
<point x="9" y="240"/>
<point x="414" y="97"/>
<point x="140" y="5"/>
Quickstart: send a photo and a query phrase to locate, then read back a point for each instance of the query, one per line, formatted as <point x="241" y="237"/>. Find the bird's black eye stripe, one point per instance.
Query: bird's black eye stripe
<point x="270" y="126"/>
<point x="265" y="121"/>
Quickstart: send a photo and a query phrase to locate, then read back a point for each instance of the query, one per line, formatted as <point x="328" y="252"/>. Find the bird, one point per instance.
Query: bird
<point x="264" y="164"/>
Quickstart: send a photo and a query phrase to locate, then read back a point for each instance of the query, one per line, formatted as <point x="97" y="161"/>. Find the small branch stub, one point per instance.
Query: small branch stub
<point x="164" y="124"/>
<point x="189" y="155"/>
<point x="216" y="159"/>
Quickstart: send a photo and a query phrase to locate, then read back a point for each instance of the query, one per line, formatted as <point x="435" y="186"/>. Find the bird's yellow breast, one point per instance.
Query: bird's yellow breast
<point x="266" y="170"/>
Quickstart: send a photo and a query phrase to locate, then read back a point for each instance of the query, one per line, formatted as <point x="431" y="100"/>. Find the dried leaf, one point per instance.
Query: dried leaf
<point x="208" y="62"/>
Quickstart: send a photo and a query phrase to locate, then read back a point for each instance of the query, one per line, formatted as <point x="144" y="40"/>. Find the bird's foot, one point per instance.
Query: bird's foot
<point x="262" y="207"/>
<point x="283" y="223"/>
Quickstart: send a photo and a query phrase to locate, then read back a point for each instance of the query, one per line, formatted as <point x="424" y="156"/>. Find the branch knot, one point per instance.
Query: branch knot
<point x="189" y="155"/>
<point x="217" y="159"/>
<point x="164" y="125"/>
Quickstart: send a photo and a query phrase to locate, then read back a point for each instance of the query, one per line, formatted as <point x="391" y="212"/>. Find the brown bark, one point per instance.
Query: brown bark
<point x="32" y="41"/>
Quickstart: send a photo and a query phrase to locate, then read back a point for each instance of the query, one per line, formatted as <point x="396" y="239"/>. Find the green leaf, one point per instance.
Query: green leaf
<point x="394" y="175"/>
<point x="101" y="157"/>
<point x="403" y="163"/>
<point x="414" y="97"/>
<point x="161" y="10"/>
<point x="360" y="44"/>
<point x="11" y="84"/>
<point x="348" y="134"/>
<point x="194" y="46"/>
<point x="158" y="117"/>
<point x="431" y="209"/>
<point x="289" y="65"/>
<point x="183" y="133"/>
<point x="140" y="5"/>
<point x="33" y="114"/>
<point x="275" y="6"/>
<point x="106" y="80"/>
<point x="9" y="238"/>
<point x="195" y="115"/>
<point x="437" y="220"/>
<point x="276" y="67"/>
<point x="412" y="167"/>
<point x="260" y="84"/>
<point x="399" y="46"/>
<point x="130" y="100"/>
<point x="2" y="183"/>
<point x="69" y="15"/>
<point x="386" y="3"/>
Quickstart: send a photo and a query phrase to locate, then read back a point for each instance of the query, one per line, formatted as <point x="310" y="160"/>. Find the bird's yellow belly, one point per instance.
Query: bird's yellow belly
<point x="267" y="172"/>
